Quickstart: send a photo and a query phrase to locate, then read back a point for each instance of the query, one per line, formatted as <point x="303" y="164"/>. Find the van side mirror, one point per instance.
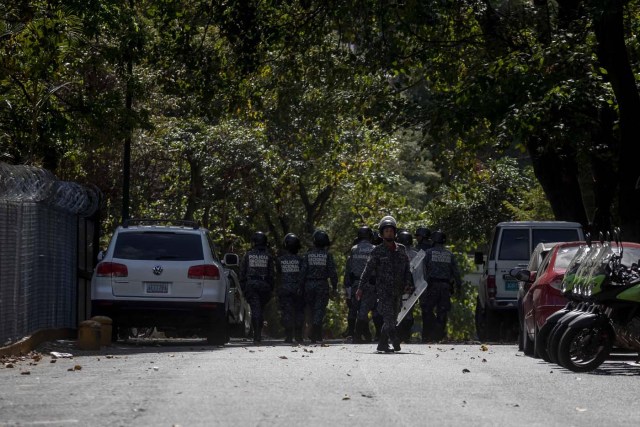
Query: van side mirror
<point x="231" y="260"/>
<point x="478" y="258"/>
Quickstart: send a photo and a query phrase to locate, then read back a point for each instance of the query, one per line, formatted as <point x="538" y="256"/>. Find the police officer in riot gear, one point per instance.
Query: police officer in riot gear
<point x="290" y="293"/>
<point x="423" y="234"/>
<point x="256" y="280"/>
<point x="356" y="261"/>
<point x="404" y="328"/>
<point x="440" y="270"/>
<point x="388" y="265"/>
<point x="318" y="266"/>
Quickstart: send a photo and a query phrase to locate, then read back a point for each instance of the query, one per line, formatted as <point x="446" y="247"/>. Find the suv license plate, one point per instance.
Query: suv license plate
<point x="157" y="287"/>
<point x="510" y="285"/>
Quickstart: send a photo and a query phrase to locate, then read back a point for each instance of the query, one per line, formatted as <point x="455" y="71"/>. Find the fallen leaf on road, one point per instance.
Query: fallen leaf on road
<point x="77" y="368"/>
<point x="581" y="409"/>
<point x="8" y="365"/>
<point x="484" y="347"/>
<point x="484" y="360"/>
<point x="465" y="371"/>
<point x="25" y="373"/>
<point x="346" y="397"/>
<point x="61" y="355"/>
<point x="367" y="396"/>
<point x="283" y="357"/>
<point x="53" y="360"/>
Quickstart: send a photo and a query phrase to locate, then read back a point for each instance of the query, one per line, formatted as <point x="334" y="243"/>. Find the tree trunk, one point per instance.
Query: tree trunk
<point x="612" y="54"/>
<point x="558" y="176"/>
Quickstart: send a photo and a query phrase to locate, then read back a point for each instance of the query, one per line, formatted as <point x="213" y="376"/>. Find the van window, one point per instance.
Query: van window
<point x="514" y="244"/>
<point x="545" y="235"/>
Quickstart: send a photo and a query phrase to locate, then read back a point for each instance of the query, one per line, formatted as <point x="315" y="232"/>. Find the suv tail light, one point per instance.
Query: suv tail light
<point x="112" y="269"/>
<point x="491" y="286"/>
<point x="204" y="272"/>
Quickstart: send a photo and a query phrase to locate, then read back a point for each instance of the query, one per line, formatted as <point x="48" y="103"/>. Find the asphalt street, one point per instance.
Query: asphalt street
<point x="187" y="383"/>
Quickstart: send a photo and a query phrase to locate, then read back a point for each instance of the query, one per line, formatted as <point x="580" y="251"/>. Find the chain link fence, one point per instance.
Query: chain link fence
<point x="46" y="248"/>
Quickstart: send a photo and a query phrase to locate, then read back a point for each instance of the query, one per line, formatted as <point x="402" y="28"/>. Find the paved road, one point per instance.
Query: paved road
<point x="184" y="383"/>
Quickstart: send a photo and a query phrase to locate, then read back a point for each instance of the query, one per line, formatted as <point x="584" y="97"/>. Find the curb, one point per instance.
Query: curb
<point x="27" y="344"/>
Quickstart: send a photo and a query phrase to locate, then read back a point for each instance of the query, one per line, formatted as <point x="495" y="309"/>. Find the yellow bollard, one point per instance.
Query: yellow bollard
<point x="106" y="324"/>
<point x="89" y="335"/>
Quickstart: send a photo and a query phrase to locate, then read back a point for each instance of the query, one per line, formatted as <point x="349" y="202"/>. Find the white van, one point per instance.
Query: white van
<point x="511" y="247"/>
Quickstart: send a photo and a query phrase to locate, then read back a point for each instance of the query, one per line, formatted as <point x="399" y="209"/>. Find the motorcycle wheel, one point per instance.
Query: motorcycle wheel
<point x="584" y="349"/>
<point x="554" y="341"/>
<point x="540" y="342"/>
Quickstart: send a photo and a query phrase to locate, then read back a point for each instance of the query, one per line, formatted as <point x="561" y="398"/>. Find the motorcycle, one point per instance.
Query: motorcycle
<point x="609" y="312"/>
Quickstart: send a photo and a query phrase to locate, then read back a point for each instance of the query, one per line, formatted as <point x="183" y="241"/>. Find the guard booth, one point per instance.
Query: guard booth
<point x="49" y="235"/>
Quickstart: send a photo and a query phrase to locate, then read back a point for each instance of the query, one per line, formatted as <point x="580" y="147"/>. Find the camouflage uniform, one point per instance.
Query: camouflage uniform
<point x="290" y="293"/>
<point x="256" y="280"/>
<point x="390" y="267"/>
<point x="440" y="268"/>
<point x="355" y="266"/>
<point x="317" y="267"/>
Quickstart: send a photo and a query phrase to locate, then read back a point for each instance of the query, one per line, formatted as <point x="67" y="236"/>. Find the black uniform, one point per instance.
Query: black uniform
<point x="318" y="266"/>
<point x="440" y="269"/>
<point x="290" y="293"/>
<point x="355" y="266"/>
<point x="256" y="280"/>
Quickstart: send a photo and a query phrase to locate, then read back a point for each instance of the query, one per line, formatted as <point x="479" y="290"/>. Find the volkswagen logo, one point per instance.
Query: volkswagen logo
<point x="157" y="270"/>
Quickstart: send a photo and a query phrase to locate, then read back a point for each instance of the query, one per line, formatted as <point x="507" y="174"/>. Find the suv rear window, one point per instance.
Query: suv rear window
<point x="545" y="235"/>
<point x="154" y="245"/>
<point x="514" y="244"/>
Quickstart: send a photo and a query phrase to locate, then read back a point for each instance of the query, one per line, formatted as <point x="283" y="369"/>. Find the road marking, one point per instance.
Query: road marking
<point x="38" y="423"/>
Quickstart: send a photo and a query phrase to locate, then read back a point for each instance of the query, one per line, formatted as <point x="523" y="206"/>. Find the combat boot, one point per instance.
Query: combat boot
<point x="350" y="328"/>
<point x="361" y="331"/>
<point x="383" y="343"/>
<point x="257" y="332"/>
<point x="298" y="333"/>
<point x="396" y="344"/>
<point x="288" y="335"/>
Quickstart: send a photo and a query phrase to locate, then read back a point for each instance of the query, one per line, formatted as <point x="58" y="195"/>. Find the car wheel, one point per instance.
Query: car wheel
<point x="218" y="330"/>
<point x="584" y="349"/>
<point x="527" y="344"/>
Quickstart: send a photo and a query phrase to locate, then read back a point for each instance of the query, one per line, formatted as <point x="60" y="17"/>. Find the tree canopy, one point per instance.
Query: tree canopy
<point x="292" y="116"/>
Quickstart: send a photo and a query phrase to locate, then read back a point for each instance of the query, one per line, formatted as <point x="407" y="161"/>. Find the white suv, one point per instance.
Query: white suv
<point x="168" y="276"/>
<point x="511" y="247"/>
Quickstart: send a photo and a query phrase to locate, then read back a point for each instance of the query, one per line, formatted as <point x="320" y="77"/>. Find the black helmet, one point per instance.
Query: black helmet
<point x="423" y="232"/>
<point x="439" y="237"/>
<point x="321" y="239"/>
<point x="376" y="240"/>
<point x="365" y="233"/>
<point x="292" y="243"/>
<point x="405" y="238"/>
<point x="259" y="239"/>
<point x="387" y="221"/>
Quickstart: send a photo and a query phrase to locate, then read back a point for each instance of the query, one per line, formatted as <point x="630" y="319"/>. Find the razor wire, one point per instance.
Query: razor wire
<point x="33" y="184"/>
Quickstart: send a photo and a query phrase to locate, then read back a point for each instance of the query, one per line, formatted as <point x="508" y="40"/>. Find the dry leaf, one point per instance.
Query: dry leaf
<point x="283" y="357"/>
<point x="465" y="371"/>
<point x="77" y="368"/>
<point x="346" y="397"/>
<point x="484" y="347"/>
<point x="25" y="373"/>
